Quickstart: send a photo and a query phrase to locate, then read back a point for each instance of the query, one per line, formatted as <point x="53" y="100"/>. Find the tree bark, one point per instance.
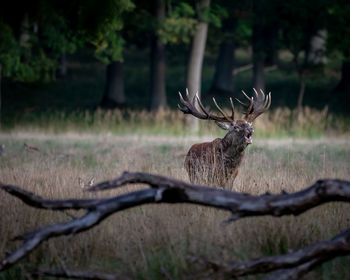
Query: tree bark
<point x="223" y="78"/>
<point x="158" y="66"/>
<point x="259" y="74"/>
<point x="341" y="93"/>
<point x="24" y="35"/>
<point x="62" y="66"/>
<point x="194" y="68"/>
<point x="258" y="46"/>
<point x="0" y="95"/>
<point x="344" y="83"/>
<point x="301" y="94"/>
<point x="317" y="51"/>
<point x="114" y="90"/>
<point x="271" y="42"/>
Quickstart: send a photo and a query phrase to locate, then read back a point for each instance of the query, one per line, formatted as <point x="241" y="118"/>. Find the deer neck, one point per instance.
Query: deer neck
<point x="232" y="149"/>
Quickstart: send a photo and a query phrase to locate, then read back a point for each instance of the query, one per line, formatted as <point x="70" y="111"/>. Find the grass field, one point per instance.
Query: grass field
<point x="145" y="242"/>
<point x="76" y="143"/>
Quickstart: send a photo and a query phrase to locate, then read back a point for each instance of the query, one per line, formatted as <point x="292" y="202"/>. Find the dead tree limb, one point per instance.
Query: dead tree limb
<point x="77" y="274"/>
<point x="297" y="272"/>
<point x="250" y="66"/>
<point x="38" y="202"/>
<point x="95" y="214"/>
<point x="299" y="261"/>
<point x="169" y="190"/>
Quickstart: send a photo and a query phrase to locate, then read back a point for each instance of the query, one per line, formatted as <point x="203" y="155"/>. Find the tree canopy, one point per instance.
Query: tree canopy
<point x="35" y="35"/>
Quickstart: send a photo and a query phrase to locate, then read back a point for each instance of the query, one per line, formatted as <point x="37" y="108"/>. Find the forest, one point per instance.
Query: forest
<point x="76" y="55"/>
<point x="110" y="113"/>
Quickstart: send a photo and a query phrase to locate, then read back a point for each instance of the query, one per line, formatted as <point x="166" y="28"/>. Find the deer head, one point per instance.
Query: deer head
<point x="239" y="131"/>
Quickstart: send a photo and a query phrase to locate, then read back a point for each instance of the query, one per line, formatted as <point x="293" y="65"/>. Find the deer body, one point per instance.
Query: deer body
<point x="217" y="162"/>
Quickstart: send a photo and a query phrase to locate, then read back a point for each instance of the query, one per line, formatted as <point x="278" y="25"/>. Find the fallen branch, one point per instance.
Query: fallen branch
<point x="38" y="202"/>
<point x="168" y="190"/>
<point x="250" y="66"/>
<point x="288" y="266"/>
<point x="298" y="272"/>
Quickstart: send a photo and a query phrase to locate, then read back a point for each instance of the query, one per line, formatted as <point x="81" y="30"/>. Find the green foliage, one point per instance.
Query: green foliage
<point x="243" y="31"/>
<point x="54" y="28"/>
<point x="57" y="36"/>
<point x="38" y="68"/>
<point x="179" y="26"/>
<point x="338" y="27"/>
<point x="9" y="51"/>
<point x="109" y="47"/>
<point x="181" y="23"/>
<point x="213" y="15"/>
<point x="107" y="39"/>
<point x="24" y="63"/>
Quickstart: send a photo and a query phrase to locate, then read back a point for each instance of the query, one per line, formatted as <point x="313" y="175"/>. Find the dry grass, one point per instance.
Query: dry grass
<point x="145" y="240"/>
<point x="280" y="122"/>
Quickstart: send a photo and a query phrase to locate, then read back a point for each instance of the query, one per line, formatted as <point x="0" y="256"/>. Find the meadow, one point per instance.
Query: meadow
<point x="53" y="140"/>
<point x="154" y="241"/>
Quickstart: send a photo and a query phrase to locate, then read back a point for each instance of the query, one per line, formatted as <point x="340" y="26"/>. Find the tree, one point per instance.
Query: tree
<point x="158" y="92"/>
<point x="233" y="33"/>
<point x="264" y="39"/>
<point x="108" y="42"/>
<point x="258" y="43"/>
<point x="114" y="95"/>
<point x="26" y="52"/>
<point x="339" y="41"/>
<point x="194" y="68"/>
<point x="223" y="77"/>
<point x="297" y="37"/>
<point x="317" y="51"/>
<point x="9" y="56"/>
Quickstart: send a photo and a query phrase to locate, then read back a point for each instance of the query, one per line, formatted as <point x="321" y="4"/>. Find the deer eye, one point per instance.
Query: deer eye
<point x="236" y="128"/>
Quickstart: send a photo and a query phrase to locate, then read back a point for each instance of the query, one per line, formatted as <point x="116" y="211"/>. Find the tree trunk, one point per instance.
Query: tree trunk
<point x="271" y="44"/>
<point x="24" y="35"/>
<point x="341" y="93"/>
<point x="158" y="89"/>
<point x="0" y="95"/>
<point x="223" y="78"/>
<point x="259" y="74"/>
<point x="317" y="50"/>
<point x="301" y="94"/>
<point x="258" y="45"/>
<point x="114" y="90"/>
<point x="62" y="66"/>
<point x="344" y="83"/>
<point x="194" y="68"/>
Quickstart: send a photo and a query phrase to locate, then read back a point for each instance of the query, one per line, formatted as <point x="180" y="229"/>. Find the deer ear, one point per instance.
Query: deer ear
<point x="223" y="125"/>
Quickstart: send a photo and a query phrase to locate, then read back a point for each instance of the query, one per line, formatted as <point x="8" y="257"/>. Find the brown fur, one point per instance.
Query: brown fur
<point x="217" y="163"/>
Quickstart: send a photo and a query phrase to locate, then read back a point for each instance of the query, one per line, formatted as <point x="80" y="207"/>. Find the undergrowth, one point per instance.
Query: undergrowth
<point x="277" y="123"/>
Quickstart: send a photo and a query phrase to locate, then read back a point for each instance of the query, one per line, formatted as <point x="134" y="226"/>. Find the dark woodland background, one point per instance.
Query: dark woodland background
<point x="72" y="56"/>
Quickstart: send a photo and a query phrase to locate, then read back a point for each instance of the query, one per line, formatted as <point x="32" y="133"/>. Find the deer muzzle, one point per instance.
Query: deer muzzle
<point x="249" y="135"/>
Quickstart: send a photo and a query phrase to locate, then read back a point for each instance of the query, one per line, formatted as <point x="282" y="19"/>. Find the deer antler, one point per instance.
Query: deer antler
<point x="257" y="105"/>
<point x="190" y="108"/>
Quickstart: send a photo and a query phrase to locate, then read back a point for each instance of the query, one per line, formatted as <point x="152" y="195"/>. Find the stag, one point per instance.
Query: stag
<point x="217" y="162"/>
